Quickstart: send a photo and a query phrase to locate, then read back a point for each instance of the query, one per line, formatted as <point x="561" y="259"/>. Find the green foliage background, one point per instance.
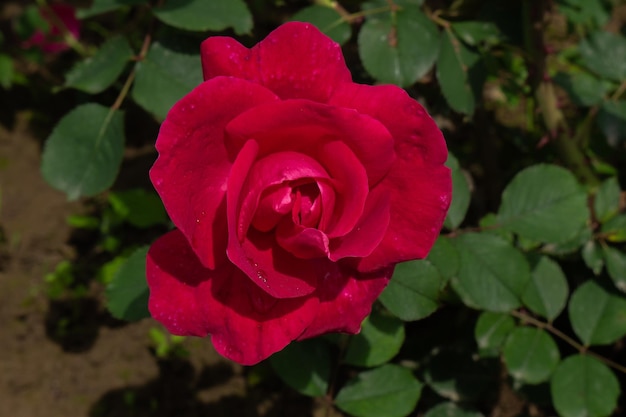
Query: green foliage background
<point x="525" y="286"/>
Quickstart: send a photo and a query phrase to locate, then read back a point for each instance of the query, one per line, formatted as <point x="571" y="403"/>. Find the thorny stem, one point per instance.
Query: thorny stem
<point x="581" y="348"/>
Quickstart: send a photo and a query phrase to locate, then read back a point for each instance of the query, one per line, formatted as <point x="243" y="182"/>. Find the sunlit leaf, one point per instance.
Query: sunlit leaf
<point x="83" y="154"/>
<point x="544" y="203"/>
<point x="530" y="355"/>
<point x="390" y="391"/>
<point x="583" y="386"/>
<point x="491" y="331"/>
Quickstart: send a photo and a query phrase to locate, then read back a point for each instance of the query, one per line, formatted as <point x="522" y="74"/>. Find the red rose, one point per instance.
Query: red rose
<point x="61" y="18"/>
<point x="295" y="192"/>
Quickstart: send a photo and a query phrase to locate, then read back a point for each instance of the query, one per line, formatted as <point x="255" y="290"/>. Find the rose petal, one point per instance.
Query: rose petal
<point x="302" y="242"/>
<point x="246" y="324"/>
<point x="419" y="186"/>
<point x="295" y="61"/>
<point x="346" y="298"/>
<point x="192" y="169"/>
<point x="273" y="204"/>
<point x="368" y="232"/>
<point x="304" y="126"/>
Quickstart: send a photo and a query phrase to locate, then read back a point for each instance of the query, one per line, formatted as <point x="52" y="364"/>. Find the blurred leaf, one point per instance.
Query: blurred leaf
<point x="612" y="121"/>
<point x="606" y="201"/>
<point x="304" y="366"/>
<point x="491" y="331"/>
<point x="102" y="6"/>
<point x="328" y="20"/>
<point x="6" y="71"/>
<point x="459" y="375"/>
<point x="30" y="21"/>
<point x="380" y="339"/>
<point x="583" y="88"/>
<point x="444" y="256"/>
<point x="390" y="391"/>
<point x="83" y="222"/>
<point x="107" y="272"/>
<point x="547" y="291"/>
<point x="460" y="195"/>
<point x="451" y="410"/>
<point x="585" y="12"/>
<point x="593" y="257"/>
<point x="492" y="275"/>
<point x="477" y="33"/>
<point x="598" y="316"/>
<point x="616" y="266"/>
<point x="139" y="207"/>
<point x="97" y="73"/>
<point x="413" y="290"/>
<point x="83" y="154"/>
<point x="583" y="386"/>
<point x="544" y="203"/>
<point x="398" y="47"/>
<point x="164" y="77"/>
<point x="530" y="355"/>
<point x="605" y="54"/>
<point x="454" y="65"/>
<point x="202" y="15"/>
<point x="127" y="294"/>
<point x="614" y="229"/>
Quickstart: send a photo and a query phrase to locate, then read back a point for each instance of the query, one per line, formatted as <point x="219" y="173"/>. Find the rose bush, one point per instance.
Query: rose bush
<point x="294" y="191"/>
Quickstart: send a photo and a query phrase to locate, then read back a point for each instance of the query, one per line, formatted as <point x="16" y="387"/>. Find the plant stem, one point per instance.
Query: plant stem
<point x="570" y="341"/>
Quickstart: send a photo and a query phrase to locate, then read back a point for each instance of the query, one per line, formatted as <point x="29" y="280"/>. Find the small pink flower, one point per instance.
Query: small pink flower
<point x="295" y="192"/>
<point x="52" y="41"/>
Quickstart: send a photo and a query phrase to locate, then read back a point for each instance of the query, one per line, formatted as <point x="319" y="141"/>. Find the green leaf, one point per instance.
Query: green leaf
<point x="544" y="203"/>
<point x="413" y="290"/>
<point x="97" y="73"/>
<point x="83" y="154"/>
<point x="491" y="331"/>
<point x="598" y="316"/>
<point x="164" y="77"/>
<point x="444" y="256"/>
<point x="614" y="230"/>
<point x="612" y="121"/>
<point x="583" y="88"/>
<point x="546" y="293"/>
<point x="591" y="13"/>
<point x="326" y="19"/>
<point x="202" y="15"/>
<point x="380" y="339"/>
<point x="583" y="386"/>
<point x="454" y="71"/>
<point x="390" y="391"/>
<point x="476" y="33"/>
<point x="593" y="257"/>
<point x="605" y="54"/>
<point x="459" y="375"/>
<point x="104" y="6"/>
<point x="127" y="294"/>
<point x="530" y="355"/>
<point x="304" y="366"/>
<point x="492" y="275"/>
<point x="139" y="207"/>
<point x="6" y="71"/>
<point x="606" y="200"/>
<point x="460" y="194"/>
<point x="398" y="47"/>
<point x="616" y="266"/>
<point x="451" y="410"/>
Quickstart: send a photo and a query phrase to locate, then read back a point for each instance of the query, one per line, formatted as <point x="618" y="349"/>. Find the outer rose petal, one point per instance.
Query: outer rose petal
<point x="191" y="172"/>
<point x="302" y="125"/>
<point x="345" y="300"/>
<point x="420" y="186"/>
<point x="312" y="70"/>
<point x="246" y="325"/>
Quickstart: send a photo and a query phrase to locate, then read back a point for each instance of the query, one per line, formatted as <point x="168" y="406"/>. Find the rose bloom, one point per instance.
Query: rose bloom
<point x="52" y="40"/>
<point x="294" y="191"/>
